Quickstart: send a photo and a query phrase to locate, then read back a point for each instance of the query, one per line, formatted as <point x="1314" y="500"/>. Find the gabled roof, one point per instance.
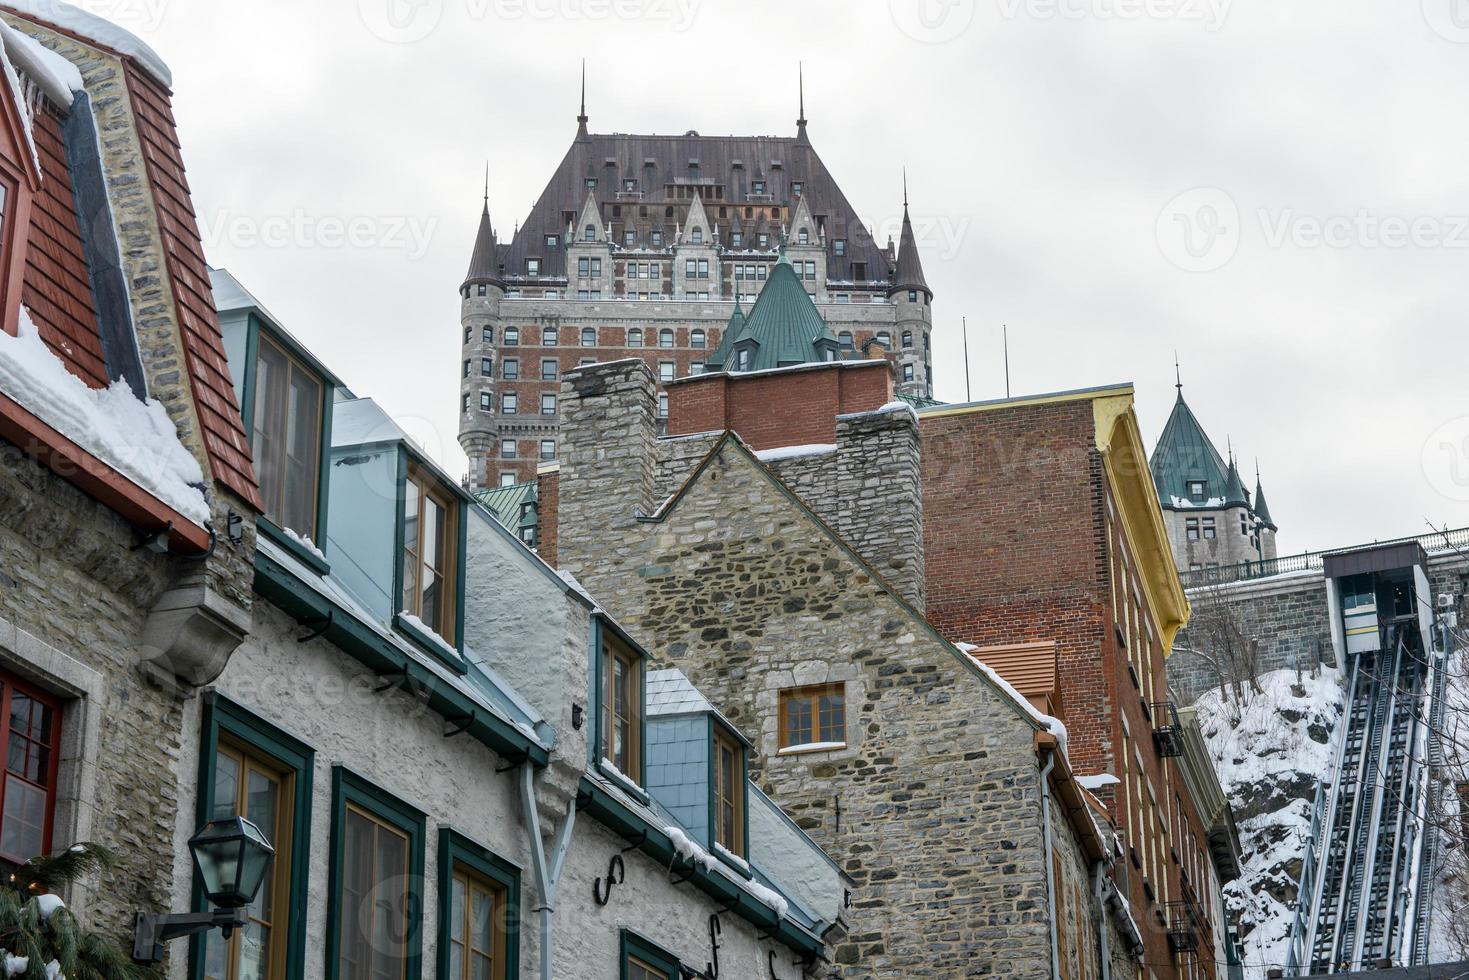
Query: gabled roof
<point x="669" y="692"/>
<point x="506" y="504"/>
<point x="660" y="167"/>
<point x="1185" y="454"/>
<point x="784" y="324"/>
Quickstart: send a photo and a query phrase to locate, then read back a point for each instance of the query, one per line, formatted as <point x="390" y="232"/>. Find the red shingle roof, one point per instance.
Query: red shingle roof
<point x="214" y="393"/>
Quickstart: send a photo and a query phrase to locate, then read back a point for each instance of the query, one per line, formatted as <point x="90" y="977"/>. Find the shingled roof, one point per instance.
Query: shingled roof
<point x="669" y="172"/>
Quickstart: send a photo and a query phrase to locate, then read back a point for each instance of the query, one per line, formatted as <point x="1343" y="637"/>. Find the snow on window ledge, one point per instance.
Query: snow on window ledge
<point x="807" y="747"/>
<point x="136" y="438"/>
<point x="420" y="631"/>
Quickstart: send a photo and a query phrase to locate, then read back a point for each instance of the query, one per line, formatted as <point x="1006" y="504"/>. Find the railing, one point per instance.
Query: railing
<point x="1311" y="560"/>
<point x="1167" y="734"/>
<point x="1183" y="927"/>
<point x="1305" y="888"/>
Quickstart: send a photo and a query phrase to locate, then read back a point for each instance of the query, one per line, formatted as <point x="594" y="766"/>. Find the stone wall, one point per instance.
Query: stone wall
<point x="932" y="806"/>
<point x="74" y="599"/>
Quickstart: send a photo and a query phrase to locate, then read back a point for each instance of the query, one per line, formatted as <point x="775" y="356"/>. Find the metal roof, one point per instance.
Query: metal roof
<point x="507" y="504"/>
<point x="729" y="167"/>
<point x="1185" y="454"/>
<point x="784" y="325"/>
<point x="483" y="265"/>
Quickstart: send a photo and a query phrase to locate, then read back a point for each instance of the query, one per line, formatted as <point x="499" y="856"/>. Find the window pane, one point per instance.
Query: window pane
<point x="433" y="561"/>
<point x="25" y="819"/>
<point x="303" y="454"/>
<point x="456" y="912"/>
<point x="271" y="394"/>
<point x="798" y="720"/>
<point x="483" y="921"/>
<point x="833" y="718"/>
<point x="226" y="786"/>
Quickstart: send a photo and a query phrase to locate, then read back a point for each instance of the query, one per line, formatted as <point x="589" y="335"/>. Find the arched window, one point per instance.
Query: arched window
<point x="589" y="234"/>
<point x="844" y="340"/>
<point x="635" y="337"/>
<point x="665" y="337"/>
<point x="589" y="337"/>
<point x="512" y="336"/>
<point x="907" y="339"/>
<point x="696" y="338"/>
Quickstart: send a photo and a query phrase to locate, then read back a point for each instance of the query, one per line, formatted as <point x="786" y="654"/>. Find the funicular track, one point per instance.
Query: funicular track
<point x="1366" y="889"/>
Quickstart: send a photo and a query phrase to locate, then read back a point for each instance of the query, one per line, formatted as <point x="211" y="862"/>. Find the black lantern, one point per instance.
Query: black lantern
<point x="231" y="856"/>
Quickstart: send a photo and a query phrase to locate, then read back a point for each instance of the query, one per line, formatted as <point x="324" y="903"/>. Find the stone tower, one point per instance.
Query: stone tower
<point x="479" y="319"/>
<point x="914" y="302"/>
<point x="1211" y="519"/>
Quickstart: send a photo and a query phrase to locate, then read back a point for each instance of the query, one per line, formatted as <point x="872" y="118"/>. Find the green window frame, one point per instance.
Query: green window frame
<point x="413" y="467"/>
<point x="350" y="789"/>
<point x="722" y="737"/>
<point x="221" y="716"/>
<point x="635" y="949"/>
<point x="457" y="851"/>
<point x="607" y="644"/>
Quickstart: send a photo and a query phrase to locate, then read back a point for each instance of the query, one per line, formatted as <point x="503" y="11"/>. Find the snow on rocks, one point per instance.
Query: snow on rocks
<point x="134" y="437"/>
<point x="1270" y="749"/>
<point x="16" y="965"/>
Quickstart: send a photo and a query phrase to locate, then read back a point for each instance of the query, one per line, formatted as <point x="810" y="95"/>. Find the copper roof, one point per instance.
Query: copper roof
<point x="1030" y="668"/>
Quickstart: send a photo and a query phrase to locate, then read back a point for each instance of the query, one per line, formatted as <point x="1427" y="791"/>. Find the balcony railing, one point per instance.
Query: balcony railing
<point x="1457" y="538"/>
<point x="1167" y="733"/>
<point x="1182" y="922"/>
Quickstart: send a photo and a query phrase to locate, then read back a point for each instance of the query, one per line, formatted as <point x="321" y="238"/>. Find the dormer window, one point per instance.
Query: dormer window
<point x="552" y="242"/>
<point x="736" y="239"/>
<point x="839" y="247"/>
<point x="591" y="183"/>
<point x="757" y="187"/>
<point x="1196" y="489"/>
<point x="729" y="793"/>
<point x="286" y="438"/>
<point x="742" y="359"/>
<point x="803" y="237"/>
<point x="430" y="554"/>
<point x="696" y="236"/>
<point x="629" y="184"/>
<point x="533" y="267"/>
<point x="589" y="233"/>
<point x="844" y="340"/>
<point x="797" y="187"/>
<point x="622" y="707"/>
<point x="657" y="238"/>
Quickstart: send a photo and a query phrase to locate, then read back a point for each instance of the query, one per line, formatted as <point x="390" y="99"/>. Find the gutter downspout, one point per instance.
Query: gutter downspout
<point x="547" y="876"/>
<point x="1050" y="875"/>
<point x="1101" y="877"/>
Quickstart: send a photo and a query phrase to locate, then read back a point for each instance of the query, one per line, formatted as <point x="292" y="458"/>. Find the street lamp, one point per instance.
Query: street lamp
<point x="231" y="856"/>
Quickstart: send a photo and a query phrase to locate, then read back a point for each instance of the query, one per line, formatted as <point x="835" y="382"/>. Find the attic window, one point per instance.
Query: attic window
<point x="729" y="793"/>
<point x="622" y="707"/>
<point x="591" y="183"/>
<point x="696" y="236"/>
<point x="839" y="247"/>
<point x="430" y="554"/>
<point x="757" y="187"/>
<point x="286" y="437"/>
<point x="1196" y="491"/>
<point x="803" y="237"/>
<point x="774" y="164"/>
<point x="797" y="187"/>
<point x="629" y="184"/>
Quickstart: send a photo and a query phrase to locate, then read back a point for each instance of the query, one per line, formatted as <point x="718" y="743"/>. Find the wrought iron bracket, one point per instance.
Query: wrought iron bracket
<point x="616" y="875"/>
<point x="152" y="931"/>
<point x="319" y="625"/>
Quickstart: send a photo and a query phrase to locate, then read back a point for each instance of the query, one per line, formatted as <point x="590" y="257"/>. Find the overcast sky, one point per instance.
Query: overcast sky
<point x="1277" y="190"/>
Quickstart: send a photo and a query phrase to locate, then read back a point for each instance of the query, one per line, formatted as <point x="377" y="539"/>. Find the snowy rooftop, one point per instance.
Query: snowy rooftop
<point x="92" y="28"/>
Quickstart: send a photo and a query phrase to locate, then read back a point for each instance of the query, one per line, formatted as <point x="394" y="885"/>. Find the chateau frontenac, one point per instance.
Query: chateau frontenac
<point x="653" y="247"/>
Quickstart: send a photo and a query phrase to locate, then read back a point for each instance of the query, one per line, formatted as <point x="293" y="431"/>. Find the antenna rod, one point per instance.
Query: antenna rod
<point x="1005" y="334"/>
<point x="965" y="322"/>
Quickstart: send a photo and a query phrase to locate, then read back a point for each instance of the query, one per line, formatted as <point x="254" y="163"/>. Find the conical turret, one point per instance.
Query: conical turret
<point x="1262" y="509"/>
<point x="484" y="264"/>
<point x="1234" y="487"/>
<point x="909" y="273"/>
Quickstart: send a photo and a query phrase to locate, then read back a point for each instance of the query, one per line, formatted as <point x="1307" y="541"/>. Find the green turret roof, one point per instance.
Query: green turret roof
<point x="1234" y="487"/>
<point x="1262" y="510"/>
<point x="784" y="326"/>
<point x="1185" y="455"/>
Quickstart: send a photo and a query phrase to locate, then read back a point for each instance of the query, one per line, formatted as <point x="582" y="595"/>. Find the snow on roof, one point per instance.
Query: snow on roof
<point x="1048" y="722"/>
<point x="788" y="452"/>
<point x="92" y="28"/>
<point x="55" y="75"/>
<point x="362" y="421"/>
<point x="136" y="438"/>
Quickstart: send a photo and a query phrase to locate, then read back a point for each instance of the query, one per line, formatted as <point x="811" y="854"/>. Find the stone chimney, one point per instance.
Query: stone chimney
<point x="608" y="449"/>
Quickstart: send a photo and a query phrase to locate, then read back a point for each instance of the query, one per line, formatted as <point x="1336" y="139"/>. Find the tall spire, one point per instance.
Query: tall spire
<point x="581" y="119"/>
<point x="484" y="261"/>
<point x="1177" y="374"/>
<point x="909" y="273"/>
<point x="1262" y="509"/>
<point x="487" y="187"/>
<point x="801" y="95"/>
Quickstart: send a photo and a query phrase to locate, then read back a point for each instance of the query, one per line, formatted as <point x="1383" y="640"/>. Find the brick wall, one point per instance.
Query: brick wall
<point x="548" y="497"/>
<point x="782" y="408"/>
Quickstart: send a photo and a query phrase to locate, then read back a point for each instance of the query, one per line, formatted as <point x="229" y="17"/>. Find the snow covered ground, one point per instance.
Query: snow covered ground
<point x="1269" y="751"/>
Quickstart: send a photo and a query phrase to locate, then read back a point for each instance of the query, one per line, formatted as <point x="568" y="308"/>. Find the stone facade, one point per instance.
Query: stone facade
<point x="932" y="803"/>
<point x="114" y="633"/>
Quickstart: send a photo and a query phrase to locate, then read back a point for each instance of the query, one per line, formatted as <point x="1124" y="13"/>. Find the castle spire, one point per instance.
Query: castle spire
<point x="801" y="96"/>
<point x="484" y="263"/>
<point x="909" y="273"/>
<point x="581" y="119"/>
<point x="1177" y="375"/>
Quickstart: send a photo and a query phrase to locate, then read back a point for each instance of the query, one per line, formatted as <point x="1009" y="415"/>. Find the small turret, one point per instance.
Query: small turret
<point x="910" y="293"/>
<point x="479" y="319"/>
